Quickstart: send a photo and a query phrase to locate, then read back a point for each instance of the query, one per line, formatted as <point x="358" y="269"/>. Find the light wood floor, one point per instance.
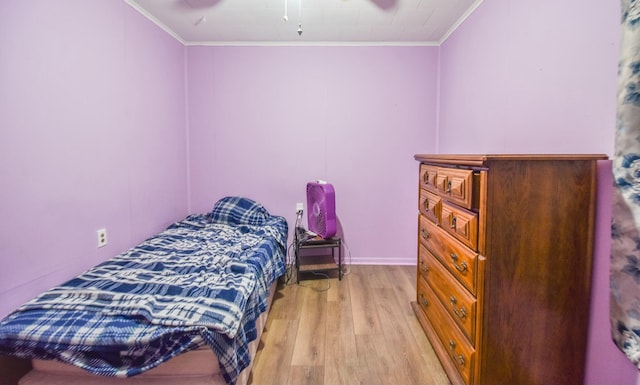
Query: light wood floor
<point x="360" y="330"/>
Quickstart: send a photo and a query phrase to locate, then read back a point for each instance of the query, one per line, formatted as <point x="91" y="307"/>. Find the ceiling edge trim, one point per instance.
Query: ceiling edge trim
<point x="460" y="21"/>
<point x="314" y="43"/>
<point x="155" y="21"/>
<point x="172" y="33"/>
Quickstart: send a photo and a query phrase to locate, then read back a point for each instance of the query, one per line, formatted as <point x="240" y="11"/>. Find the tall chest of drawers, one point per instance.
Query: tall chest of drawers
<point x="504" y="250"/>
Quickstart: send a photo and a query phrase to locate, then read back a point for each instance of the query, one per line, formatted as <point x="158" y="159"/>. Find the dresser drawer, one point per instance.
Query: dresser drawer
<point x="428" y="177"/>
<point x="423" y="267"/>
<point x="461" y="261"/>
<point x="458" y="302"/>
<point x="460" y="351"/>
<point x="453" y="184"/>
<point x="461" y="223"/>
<point x="430" y="205"/>
<point x="456" y="185"/>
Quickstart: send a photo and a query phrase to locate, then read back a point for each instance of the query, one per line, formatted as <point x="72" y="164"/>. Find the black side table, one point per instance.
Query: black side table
<point x="317" y="263"/>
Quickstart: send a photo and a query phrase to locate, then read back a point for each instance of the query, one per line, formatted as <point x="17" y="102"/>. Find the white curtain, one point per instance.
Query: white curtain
<point x="625" y="229"/>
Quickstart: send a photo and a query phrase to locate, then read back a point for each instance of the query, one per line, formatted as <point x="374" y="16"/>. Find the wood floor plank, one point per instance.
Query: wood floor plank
<point x="365" y="316"/>
<point x="354" y="331"/>
<point x="341" y="343"/>
<point x="398" y="337"/>
<point x="273" y="359"/>
<point x="379" y="360"/>
<point x="286" y="303"/>
<point x="306" y="375"/>
<point x="423" y="345"/>
<point x="376" y="277"/>
<point x="336" y="373"/>
<point x="309" y="348"/>
<point x="338" y="290"/>
<point x="404" y="283"/>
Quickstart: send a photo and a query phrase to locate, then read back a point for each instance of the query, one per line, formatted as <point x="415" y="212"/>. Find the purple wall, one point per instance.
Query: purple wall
<point x="531" y="76"/>
<point x="95" y="134"/>
<point x="541" y="77"/>
<point x="264" y="121"/>
<point x="92" y="135"/>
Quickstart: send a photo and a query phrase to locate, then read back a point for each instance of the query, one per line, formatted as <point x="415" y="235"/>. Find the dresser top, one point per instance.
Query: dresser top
<point x="481" y="159"/>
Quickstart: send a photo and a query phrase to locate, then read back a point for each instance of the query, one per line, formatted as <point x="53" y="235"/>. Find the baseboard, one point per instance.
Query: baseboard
<point x="383" y="261"/>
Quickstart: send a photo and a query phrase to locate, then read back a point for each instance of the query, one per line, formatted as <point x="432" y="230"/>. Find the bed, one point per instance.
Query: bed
<point x="185" y="306"/>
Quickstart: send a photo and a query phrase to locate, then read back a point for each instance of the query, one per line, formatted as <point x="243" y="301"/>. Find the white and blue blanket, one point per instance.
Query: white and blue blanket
<point x="202" y="281"/>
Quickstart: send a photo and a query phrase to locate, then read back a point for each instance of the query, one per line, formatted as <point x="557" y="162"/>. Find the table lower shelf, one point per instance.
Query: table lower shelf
<point x="317" y="264"/>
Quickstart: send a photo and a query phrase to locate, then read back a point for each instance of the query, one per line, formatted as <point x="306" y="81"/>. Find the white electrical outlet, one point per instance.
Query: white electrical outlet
<point x="102" y="237"/>
<point x="299" y="207"/>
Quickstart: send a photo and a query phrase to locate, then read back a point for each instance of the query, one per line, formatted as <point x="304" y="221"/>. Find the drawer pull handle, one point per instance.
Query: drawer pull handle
<point x="460" y="313"/>
<point x="425" y="234"/>
<point x="453" y="222"/>
<point x="423" y="300"/>
<point x="423" y="266"/>
<point x="461" y="268"/>
<point x="448" y="191"/>
<point x="426" y="204"/>
<point x="456" y="357"/>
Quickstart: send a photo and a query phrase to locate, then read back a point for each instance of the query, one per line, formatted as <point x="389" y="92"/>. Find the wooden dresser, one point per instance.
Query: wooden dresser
<point x="505" y="248"/>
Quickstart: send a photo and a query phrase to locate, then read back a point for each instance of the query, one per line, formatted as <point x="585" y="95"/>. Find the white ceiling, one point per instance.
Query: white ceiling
<point x="322" y="22"/>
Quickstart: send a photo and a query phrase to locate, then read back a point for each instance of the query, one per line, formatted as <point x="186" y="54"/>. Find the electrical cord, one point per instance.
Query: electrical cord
<point x="289" y="266"/>
<point x="328" y="280"/>
<point x="291" y="257"/>
<point x="346" y="265"/>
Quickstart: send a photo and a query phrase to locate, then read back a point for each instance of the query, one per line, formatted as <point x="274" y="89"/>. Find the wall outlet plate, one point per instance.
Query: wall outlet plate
<point x="102" y="237"/>
<point x="299" y="207"/>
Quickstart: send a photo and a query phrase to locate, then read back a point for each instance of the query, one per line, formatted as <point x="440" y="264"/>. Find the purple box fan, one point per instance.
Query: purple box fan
<point x="321" y="209"/>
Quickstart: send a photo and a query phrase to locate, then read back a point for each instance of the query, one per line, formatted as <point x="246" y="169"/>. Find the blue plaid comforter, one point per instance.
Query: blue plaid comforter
<point x="199" y="282"/>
